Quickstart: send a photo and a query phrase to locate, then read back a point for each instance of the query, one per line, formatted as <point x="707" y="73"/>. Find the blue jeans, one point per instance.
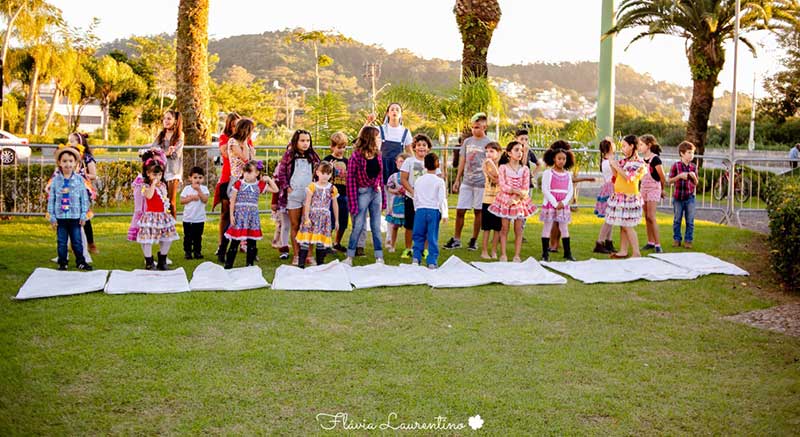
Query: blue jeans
<point x="369" y="200"/>
<point x="69" y="229"/>
<point x="426" y="227"/>
<point x="683" y="208"/>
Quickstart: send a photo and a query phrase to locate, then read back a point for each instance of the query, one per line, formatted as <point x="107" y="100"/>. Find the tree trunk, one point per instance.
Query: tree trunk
<point x="477" y="20"/>
<point x="192" y="77"/>
<point x="35" y="115"/>
<point x="699" y="112"/>
<point x="30" y="98"/>
<point x="473" y="56"/>
<point x="51" y="112"/>
<point x="105" y="105"/>
<point x="6" y="39"/>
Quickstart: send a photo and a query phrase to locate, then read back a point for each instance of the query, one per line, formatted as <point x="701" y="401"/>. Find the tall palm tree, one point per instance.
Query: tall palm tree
<point x="477" y="20"/>
<point x="192" y="73"/>
<point x="705" y="25"/>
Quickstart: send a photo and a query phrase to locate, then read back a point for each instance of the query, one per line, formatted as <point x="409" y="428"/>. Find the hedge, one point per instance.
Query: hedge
<point x="783" y="206"/>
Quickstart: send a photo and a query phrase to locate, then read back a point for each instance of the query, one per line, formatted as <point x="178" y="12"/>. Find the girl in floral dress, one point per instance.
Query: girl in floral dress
<point x="512" y="203"/>
<point x="317" y="224"/>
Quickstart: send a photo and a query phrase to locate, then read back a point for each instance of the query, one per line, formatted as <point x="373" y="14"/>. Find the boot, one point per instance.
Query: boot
<point x="567" y="250"/>
<point x="230" y="256"/>
<point x="162" y="262"/>
<point x="600" y="247"/>
<point x="319" y="255"/>
<point x="610" y="246"/>
<point x="252" y="252"/>
<point x="301" y="260"/>
<point x="545" y="249"/>
<point x="223" y="247"/>
<point x="148" y="263"/>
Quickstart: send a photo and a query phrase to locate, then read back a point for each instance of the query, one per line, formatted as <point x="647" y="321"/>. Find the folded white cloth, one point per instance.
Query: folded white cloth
<point x="700" y="262"/>
<point x="327" y="277"/>
<point x="382" y="275"/>
<point x="147" y="281"/>
<point x="455" y="273"/>
<point x="213" y="277"/>
<point x="529" y="272"/>
<point x="49" y="282"/>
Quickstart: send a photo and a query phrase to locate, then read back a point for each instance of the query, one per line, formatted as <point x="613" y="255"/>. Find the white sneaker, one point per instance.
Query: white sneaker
<point x="415" y="263"/>
<point x="348" y="261"/>
<point x="378" y="260"/>
<point x="432" y="266"/>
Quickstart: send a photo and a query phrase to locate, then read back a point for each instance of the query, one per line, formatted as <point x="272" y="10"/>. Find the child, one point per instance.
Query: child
<point x="413" y="167"/>
<point x="430" y="201"/>
<point x="339" y="179"/>
<point x="194" y="198"/>
<point x="170" y="140"/>
<point x="316" y="228"/>
<point x="684" y="175"/>
<point x="67" y="205"/>
<point x="295" y="172"/>
<point x="245" y="222"/>
<point x="604" y="243"/>
<point x="512" y="202"/>
<point x="469" y="181"/>
<point x="625" y="205"/>
<point x="221" y="190"/>
<point x="557" y="190"/>
<point x="365" y="191"/>
<point x="395" y="138"/>
<point x="489" y="221"/>
<point x="651" y="189"/>
<point x="156" y="225"/>
<point x="396" y="201"/>
<point x="555" y="234"/>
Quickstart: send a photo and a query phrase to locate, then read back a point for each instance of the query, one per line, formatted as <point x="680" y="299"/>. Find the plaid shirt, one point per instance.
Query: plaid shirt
<point x="684" y="189"/>
<point x="357" y="178"/>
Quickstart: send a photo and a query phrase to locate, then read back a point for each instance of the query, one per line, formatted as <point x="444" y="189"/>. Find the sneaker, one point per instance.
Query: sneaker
<point x="659" y="249"/>
<point x="378" y="260"/>
<point x="415" y="263"/>
<point x="360" y="251"/>
<point x="452" y="243"/>
<point x="406" y="254"/>
<point x="62" y="267"/>
<point x="348" y="261"/>
<point x="432" y="266"/>
<point x="473" y="244"/>
<point x="85" y="267"/>
<point x="676" y="243"/>
<point x="283" y="255"/>
<point x="687" y="244"/>
<point x="649" y="246"/>
<point x="338" y="247"/>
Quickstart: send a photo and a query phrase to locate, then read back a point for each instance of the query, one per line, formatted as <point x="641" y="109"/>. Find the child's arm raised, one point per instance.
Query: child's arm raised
<point x="271" y="186"/>
<point x="150" y="190"/>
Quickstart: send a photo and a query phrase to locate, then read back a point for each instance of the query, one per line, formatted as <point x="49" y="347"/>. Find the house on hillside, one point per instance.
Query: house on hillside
<point x="91" y="116"/>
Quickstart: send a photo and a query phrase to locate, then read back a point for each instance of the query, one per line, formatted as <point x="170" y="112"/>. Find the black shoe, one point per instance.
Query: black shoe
<point x="62" y="267"/>
<point x="567" y="249"/>
<point x="162" y="262"/>
<point x="148" y="263"/>
<point x="198" y="256"/>
<point x="252" y="255"/>
<point x="284" y="255"/>
<point x="610" y="246"/>
<point x="319" y="255"/>
<point x="221" y="250"/>
<point x="648" y="246"/>
<point x="600" y="248"/>
<point x="85" y="267"/>
<point x="187" y="255"/>
<point x="230" y="256"/>
<point x="360" y="251"/>
<point x="473" y="244"/>
<point x="301" y="260"/>
<point x="545" y="249"/>
<point x="452" y="243"/>
<point x="339" y="248"/>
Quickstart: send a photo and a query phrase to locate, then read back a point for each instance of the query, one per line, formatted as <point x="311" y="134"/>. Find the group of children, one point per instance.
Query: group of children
<point x="314" y="199"/>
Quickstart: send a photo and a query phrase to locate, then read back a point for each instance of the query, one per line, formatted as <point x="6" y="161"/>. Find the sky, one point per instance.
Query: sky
<point x="529" y="31"/>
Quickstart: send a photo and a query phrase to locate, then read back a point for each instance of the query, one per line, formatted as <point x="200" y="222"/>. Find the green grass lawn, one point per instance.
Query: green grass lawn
<point x="632" y="359"/>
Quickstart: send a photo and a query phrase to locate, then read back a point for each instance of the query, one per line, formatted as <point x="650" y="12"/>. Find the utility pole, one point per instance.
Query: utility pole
<point x="605" y="91"/>
<point x="730" y="215"/>
<point x="751" y="143"/>
<point x="372" y="73"/>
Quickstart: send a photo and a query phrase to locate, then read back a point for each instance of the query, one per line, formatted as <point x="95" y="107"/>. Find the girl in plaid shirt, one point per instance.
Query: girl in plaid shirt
<point x="365" y="191"/>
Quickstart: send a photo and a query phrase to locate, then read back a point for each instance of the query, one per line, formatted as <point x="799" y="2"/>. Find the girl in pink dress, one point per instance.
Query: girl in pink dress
<point x="512" y="202"/>
<point x="557" y="190"/>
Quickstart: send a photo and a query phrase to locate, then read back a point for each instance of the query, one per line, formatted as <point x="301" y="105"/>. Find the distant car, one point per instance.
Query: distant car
<point x="13" y="148"/>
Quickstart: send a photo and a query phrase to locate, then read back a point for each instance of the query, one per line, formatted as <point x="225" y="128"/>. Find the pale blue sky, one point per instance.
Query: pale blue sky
<point x="529" y="31"/>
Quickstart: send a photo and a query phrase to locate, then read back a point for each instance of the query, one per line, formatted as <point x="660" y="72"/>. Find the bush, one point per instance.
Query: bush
<point x="783" y="206"/>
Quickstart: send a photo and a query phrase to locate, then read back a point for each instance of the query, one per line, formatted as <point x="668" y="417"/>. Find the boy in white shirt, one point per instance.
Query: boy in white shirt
<point x="193" y="199"/>
<point x="430" y="205"/>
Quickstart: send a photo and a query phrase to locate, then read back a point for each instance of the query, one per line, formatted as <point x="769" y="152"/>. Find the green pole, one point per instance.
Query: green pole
<point x="605" y="85"/>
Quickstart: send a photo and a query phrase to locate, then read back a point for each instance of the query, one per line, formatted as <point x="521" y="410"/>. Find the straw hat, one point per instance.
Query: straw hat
<point x="67" y="149"/>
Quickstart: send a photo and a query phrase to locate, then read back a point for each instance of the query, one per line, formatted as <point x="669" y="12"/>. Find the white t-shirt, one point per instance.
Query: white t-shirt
<point x="606" y="170"/>
<point x="194" y="211"/>
<point x="396" y="134"/>
<point x="415" y="168"/>
<point x="429" y="193"/>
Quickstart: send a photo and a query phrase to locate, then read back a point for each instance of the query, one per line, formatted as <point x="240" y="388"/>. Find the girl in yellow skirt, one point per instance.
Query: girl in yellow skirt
<point x="317" y="224"/>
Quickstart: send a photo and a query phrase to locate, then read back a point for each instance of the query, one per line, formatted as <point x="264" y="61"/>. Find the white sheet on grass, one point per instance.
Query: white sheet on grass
<point x="700" y="262"/>
<point x="529" y="272"/>
<point x="327" y="277"/>
<point x="210" y="277"/>
<point x="594" y="271"/>
<point x="49" y="283"/>
<point x="656" y="270"/>
<point x="382" y="275"/>
<point x="147" y="281"/>
<point x="455" y="273"/>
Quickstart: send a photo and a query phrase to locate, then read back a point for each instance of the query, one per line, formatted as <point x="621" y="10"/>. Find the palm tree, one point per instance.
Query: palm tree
<point x="705" y="25"/>
<point x="193" y="92"/>
<point x="477" y="20"/>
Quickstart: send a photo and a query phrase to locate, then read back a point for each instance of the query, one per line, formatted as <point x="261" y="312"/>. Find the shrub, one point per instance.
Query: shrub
<point x="783" y="206"/>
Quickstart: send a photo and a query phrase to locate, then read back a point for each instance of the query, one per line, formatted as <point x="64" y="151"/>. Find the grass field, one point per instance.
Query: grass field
<point x="642" y="358"/>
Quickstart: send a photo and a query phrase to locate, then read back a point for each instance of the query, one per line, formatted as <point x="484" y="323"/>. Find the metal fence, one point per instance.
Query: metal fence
<point x="23" y="182"/>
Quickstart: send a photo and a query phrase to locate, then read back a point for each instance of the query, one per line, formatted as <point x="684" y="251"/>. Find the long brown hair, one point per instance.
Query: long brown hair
<point x="230" y="124"/>
<point x="244" y="128"/>
<point x="365" y="143"/>
<point x="177" y="130"/>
